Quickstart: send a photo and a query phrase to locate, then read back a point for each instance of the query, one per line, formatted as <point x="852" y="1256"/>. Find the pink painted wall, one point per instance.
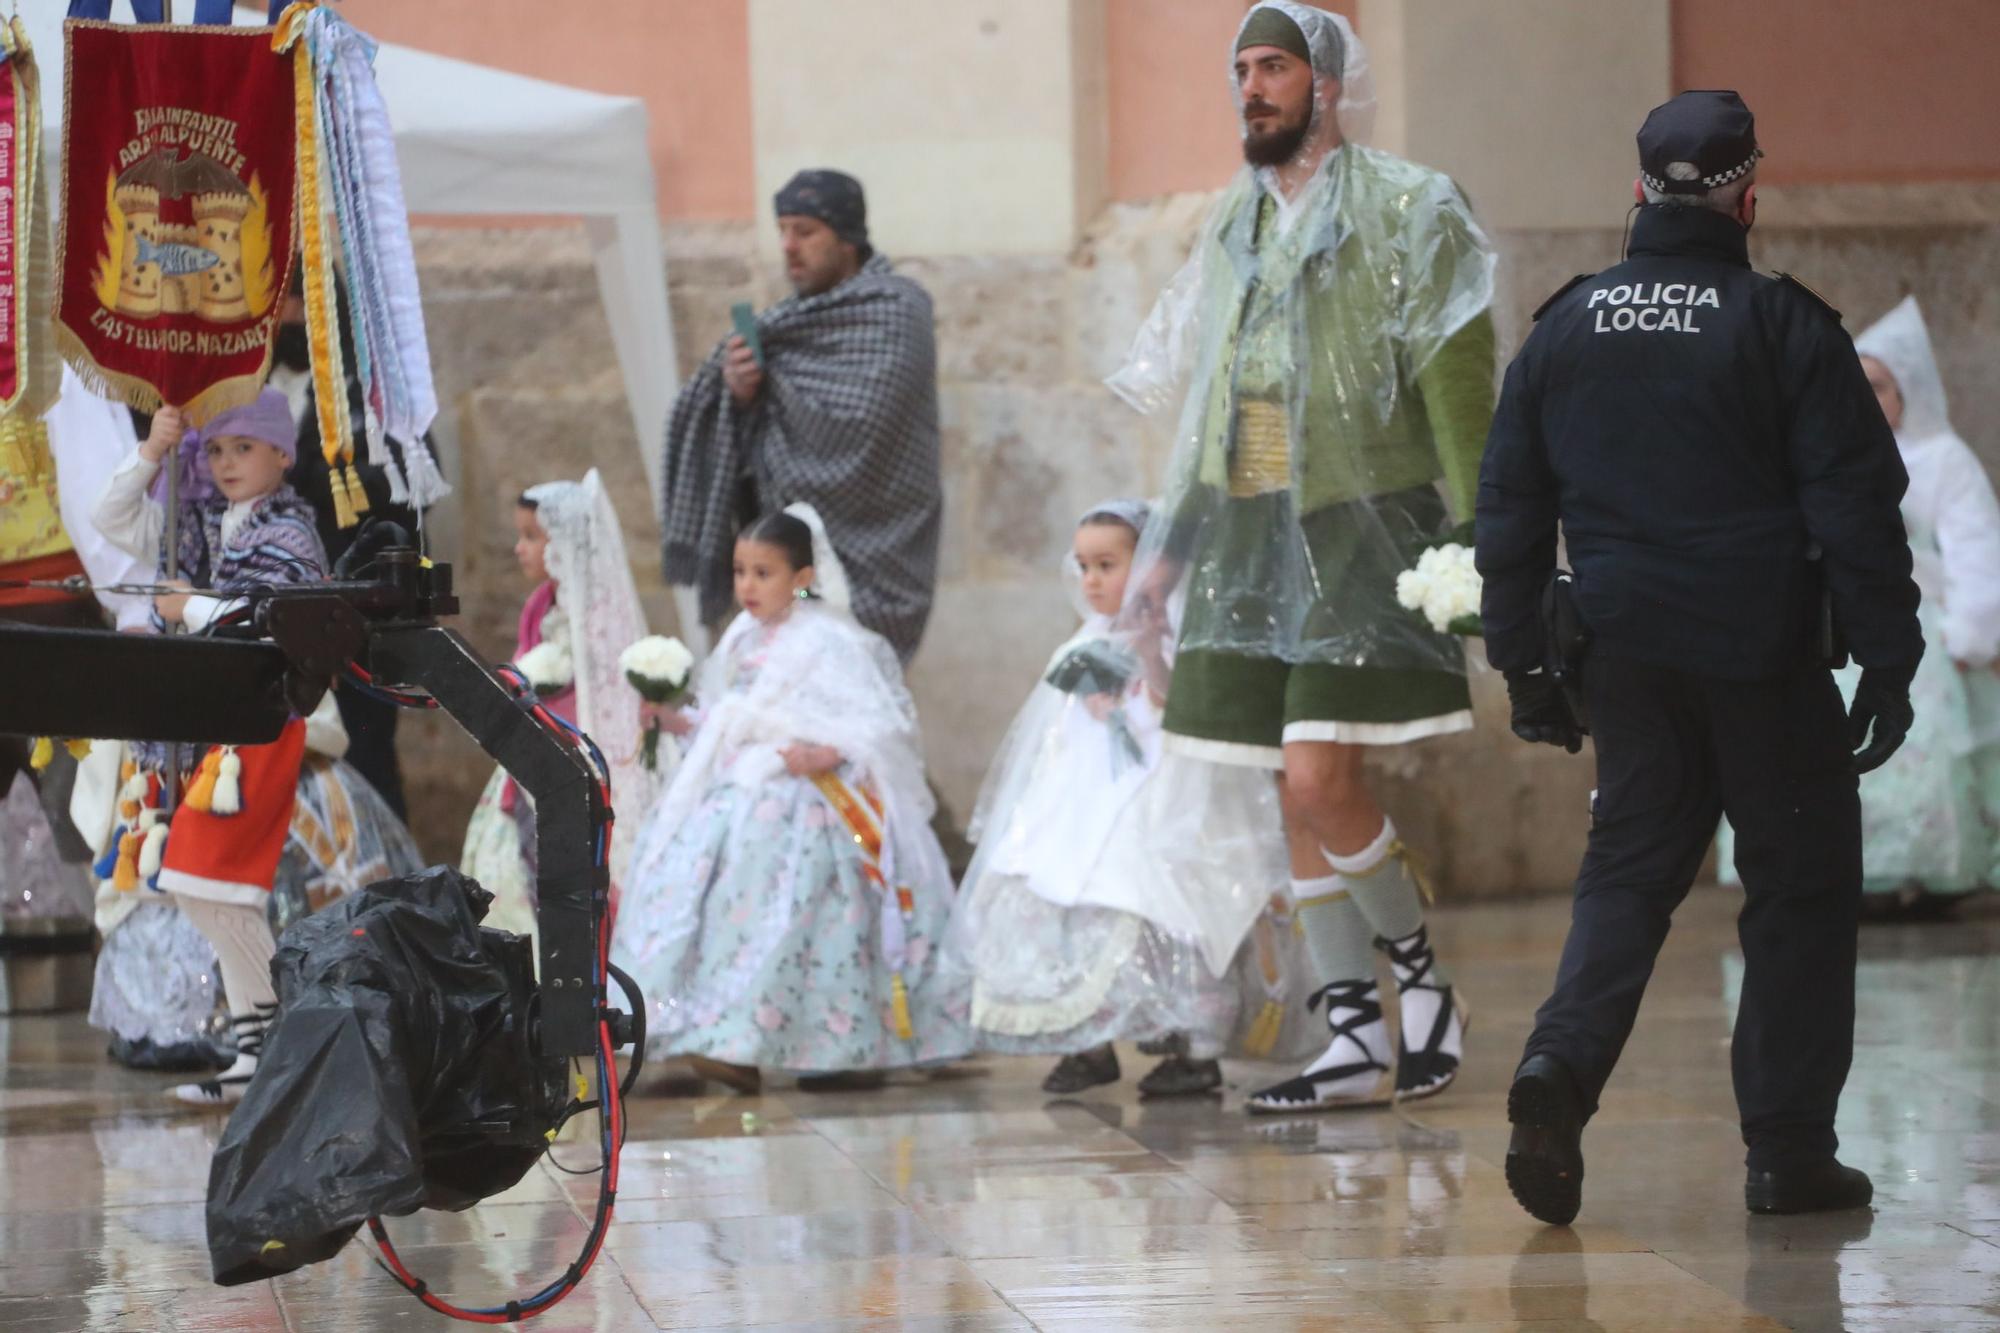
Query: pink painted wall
<point x="1172" y="125"/>
<point x="1854" y="90"/>
<point x="689" y="59"/>
<point x="1840" y="93"/>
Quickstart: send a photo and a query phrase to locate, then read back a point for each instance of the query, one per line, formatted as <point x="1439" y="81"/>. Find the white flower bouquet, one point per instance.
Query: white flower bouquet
<point x="659" y="668"/>
<point x="1444" y="587"/>
<point x="548" y="667"/>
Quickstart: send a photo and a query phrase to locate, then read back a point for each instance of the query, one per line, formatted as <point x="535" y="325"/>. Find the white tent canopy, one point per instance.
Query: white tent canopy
<point x="473" y="140"/>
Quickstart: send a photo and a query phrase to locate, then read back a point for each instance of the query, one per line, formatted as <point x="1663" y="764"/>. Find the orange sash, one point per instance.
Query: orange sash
<point x="862" y="814"/>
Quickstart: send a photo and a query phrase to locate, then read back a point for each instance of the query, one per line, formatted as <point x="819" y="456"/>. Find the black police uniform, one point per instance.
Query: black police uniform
<point x="1699" y="430"/>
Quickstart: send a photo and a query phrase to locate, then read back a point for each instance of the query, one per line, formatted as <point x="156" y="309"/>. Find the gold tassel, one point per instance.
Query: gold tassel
<point x="316" y="261"/>
<point x="125" y="873"/>
<point x="201" y="792"/>
<point x="343" y="508"/>
<point x="79" y="750"/>
<point x="228" y="791"/>
<point x="357" y="494"/>
<point x="899" y="1006"/>
<point x="1263" y="1035"/>
<point x="44" y="754"/>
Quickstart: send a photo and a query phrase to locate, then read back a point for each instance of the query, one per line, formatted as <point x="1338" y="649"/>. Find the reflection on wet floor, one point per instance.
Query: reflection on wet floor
<point x="970" y="1201"/>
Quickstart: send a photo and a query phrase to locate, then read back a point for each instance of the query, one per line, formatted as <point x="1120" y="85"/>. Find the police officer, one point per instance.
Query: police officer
<point x="1708" y="442"/>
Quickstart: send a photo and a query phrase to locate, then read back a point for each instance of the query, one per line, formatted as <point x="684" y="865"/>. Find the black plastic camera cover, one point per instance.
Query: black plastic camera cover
<point x="398" y="1074"/>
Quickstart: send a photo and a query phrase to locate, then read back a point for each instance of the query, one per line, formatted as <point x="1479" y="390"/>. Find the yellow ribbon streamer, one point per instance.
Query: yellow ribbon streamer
<point x="39" y="373"/>
<point x="336" y="435"/>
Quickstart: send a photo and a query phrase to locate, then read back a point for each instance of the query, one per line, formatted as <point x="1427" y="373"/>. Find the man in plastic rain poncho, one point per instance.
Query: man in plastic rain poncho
<point x="1330" y="345"/>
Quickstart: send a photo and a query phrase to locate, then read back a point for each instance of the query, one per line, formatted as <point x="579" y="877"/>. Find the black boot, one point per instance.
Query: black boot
<point x="1085" y="1069"/>
<point x="1824" y="1187"/>
<point x="1545" y="1155"/>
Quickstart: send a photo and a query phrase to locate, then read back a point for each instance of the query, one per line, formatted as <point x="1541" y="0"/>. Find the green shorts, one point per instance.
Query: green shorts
<point x="1229" y="703"/>
<point x="1243" y="710"/>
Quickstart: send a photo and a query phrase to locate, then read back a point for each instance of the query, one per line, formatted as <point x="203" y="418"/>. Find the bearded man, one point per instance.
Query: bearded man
<point x="1334" y="318"/>
<point x="836" y="407"/>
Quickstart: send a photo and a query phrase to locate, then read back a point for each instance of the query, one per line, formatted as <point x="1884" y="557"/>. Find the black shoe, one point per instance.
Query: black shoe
<point x="1174" y="1043"/>
<point x="1545" y="1156"/>
<point x="1826" y="1187"/>
<point x="1085" y="1069"/>
<point x="848" y="1080"/>
<point x="1178" y="1076"/>
<point x="229" y="1087"/>
<point x="1909" y="905"/>
<point x="746" y="1079"/>
<point x="197" y="1055"/>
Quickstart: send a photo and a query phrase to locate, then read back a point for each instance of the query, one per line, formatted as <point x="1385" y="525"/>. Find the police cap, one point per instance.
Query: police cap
<point x="1697" y="141"/>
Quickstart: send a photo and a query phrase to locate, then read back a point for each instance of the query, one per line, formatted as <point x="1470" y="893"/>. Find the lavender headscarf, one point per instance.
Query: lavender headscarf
<point x="268" y="418"/>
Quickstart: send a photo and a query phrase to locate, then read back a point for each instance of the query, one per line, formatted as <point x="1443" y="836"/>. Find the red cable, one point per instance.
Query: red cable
<point x="611" y="1106"/>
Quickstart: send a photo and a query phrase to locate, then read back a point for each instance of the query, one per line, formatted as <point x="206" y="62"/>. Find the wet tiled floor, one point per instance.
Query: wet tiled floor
<point x="971" y="1201"/>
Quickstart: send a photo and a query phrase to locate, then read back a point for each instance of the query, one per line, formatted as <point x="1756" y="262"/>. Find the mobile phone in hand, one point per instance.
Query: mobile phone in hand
<point x="745" y="320"/>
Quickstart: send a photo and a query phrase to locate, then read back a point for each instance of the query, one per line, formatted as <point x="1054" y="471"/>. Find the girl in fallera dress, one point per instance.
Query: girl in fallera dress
<point x="584" y="612"/>
<point x="1931" y="815"/>
<point x="787" y="895"/>
<point x="1073" y="929"/>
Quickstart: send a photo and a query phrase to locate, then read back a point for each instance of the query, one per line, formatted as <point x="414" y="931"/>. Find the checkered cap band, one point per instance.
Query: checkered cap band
<point x="1705" y="183"/>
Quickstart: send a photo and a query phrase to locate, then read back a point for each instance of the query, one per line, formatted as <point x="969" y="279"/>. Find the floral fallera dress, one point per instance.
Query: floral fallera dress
<point x="751" y="925"/>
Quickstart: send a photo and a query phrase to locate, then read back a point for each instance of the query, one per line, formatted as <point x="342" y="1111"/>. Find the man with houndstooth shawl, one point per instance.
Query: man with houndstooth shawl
<point x="836" y="407"/>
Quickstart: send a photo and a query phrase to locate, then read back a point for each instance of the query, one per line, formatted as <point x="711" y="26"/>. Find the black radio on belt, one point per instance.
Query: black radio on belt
<point x="1565" y="640"/>
<point x="1829" y="646"/>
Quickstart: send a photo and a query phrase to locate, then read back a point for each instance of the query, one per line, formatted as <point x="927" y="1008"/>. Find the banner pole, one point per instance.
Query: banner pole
<point x="170" y="780"/>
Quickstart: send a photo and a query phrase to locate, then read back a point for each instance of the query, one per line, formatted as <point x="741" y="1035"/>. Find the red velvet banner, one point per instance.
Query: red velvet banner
<point x="179" y="182"/>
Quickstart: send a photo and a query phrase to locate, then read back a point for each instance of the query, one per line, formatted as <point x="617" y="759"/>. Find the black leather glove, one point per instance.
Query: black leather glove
<point x="1541" y="714"/>
<point x="1881" y="703"/>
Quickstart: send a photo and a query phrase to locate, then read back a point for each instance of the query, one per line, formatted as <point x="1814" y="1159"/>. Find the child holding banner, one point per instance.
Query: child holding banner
<point x="218" y="846"/>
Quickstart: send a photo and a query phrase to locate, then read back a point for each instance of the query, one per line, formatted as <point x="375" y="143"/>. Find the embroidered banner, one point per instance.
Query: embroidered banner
<point x="179" y="190"/>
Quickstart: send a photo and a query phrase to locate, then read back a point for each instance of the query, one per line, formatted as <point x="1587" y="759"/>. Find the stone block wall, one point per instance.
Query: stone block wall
<point x="1030" y="439"/>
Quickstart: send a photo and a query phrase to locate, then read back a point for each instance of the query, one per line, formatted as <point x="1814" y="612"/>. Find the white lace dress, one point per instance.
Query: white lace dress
<point x="1080" y="924"/>
<point x="750" y="921"/>
<point x="598" y="619"/>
